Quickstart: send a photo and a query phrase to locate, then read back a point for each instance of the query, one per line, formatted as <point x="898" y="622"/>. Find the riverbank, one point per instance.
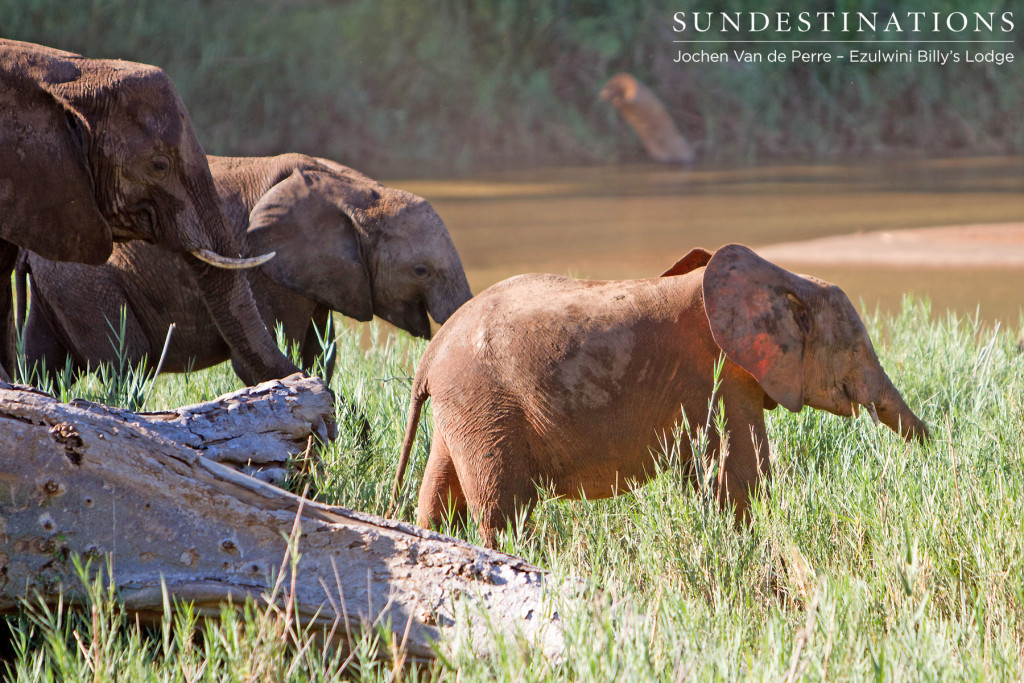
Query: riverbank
<point x="636" y="220"/>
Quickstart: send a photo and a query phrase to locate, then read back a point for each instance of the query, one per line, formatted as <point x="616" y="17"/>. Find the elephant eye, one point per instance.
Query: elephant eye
<point x="420" y="271"/>
<point x="160" y="165"/>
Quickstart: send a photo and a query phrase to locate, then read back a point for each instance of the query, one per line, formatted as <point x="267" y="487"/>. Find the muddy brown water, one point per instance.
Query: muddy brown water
<point x="635" y="221"/>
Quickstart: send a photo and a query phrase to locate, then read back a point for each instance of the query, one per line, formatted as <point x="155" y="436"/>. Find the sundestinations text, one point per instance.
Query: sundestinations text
<point x="845" y="22"/>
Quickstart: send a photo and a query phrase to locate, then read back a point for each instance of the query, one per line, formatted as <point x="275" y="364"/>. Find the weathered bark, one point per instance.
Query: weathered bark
<point x="256" y="429"/>
<point x="85" y="479"/>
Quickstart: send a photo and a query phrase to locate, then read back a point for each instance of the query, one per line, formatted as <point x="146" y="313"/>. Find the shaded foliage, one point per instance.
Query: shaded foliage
<point x="441" y="86"/>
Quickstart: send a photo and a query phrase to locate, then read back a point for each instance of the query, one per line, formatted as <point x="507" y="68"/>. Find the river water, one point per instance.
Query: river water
<point x="636" y="220"/>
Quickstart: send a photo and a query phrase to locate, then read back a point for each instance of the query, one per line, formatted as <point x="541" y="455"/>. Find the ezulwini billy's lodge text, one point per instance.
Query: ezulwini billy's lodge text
<point x="853" y="56"/>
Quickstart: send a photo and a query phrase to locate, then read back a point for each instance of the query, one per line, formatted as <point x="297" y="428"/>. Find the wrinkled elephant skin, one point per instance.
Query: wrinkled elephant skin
<point x="94" y="151"/>
<point x="343" y="242"/>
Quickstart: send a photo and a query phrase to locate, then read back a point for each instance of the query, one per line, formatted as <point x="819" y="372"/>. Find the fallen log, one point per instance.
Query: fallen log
<point x="88" y="480"/>
<point x="256" y="429"/>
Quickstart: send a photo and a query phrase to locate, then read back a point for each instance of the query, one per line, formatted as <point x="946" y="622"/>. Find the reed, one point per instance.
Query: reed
<point x="870" y="559"/>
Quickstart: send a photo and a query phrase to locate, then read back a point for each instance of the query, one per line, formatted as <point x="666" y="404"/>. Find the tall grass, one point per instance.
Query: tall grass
<point x="435" y="86"/>
<point x="869" y="559"/>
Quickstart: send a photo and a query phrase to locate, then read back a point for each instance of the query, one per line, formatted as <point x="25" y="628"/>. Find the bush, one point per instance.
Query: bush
<point x="462" y="86"/>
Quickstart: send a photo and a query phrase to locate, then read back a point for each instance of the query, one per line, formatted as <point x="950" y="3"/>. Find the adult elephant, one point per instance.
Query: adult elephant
<point x="96" y="151"/>
<point x="344" y="242"/>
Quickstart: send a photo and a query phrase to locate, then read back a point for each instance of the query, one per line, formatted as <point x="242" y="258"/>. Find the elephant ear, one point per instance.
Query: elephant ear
<point x="318" y="245"/>
<point x="759" y="318"/>
<point x="695" y="259"/>
<point x="47" y="203"/>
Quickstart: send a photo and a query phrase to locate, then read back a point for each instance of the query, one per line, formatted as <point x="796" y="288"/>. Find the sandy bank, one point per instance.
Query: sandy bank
<point x="997" y="245"/>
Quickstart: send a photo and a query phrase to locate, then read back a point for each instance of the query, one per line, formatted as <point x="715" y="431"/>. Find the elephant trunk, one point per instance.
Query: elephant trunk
<point x="894" y="413"/>
<point x="231" y="304"/>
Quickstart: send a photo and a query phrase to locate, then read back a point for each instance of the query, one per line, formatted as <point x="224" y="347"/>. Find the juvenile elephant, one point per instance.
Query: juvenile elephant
<point x="573" y="384"/>
<point x="344" y="242"/>
<point x="96" y="151"/>
<point x="646" y="114"/>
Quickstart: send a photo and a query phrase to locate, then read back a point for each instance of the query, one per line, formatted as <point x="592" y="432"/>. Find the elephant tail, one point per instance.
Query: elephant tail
<point x="419" y="395"/>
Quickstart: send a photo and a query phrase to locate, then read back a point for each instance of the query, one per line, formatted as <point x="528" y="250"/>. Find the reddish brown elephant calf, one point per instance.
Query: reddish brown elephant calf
<point x="574" y="384"/>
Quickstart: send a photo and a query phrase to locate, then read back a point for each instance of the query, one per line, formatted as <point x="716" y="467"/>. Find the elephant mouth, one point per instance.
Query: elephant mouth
<point x="421" y="324"/>
<point x="142" y="224"/>
<point x="848" y="406"/>
<point x="411" y="317"/>
<point x="854" y="406"/>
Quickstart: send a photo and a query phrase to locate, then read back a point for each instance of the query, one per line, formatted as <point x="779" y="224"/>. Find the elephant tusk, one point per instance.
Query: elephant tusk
<point x="873" y="413"/>
<point x="214" y="259"/>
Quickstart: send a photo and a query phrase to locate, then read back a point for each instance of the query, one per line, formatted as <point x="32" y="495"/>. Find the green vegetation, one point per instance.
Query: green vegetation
<point x="871" y="558"/>
<point x="433" y="87"/>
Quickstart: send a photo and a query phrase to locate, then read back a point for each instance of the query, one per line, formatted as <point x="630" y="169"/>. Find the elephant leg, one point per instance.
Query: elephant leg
<point x="46" y="356"/>
<point x="502" y="506"/>
<point x="321" y="326"/>
<point x="498" y="480"/>
<point x="8" y="361"/>
<point x="746" y="469"/>
<point x="441" y="492"/>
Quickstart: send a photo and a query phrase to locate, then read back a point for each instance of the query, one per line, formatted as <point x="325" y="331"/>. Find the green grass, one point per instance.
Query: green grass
<point x="871" y="559"/>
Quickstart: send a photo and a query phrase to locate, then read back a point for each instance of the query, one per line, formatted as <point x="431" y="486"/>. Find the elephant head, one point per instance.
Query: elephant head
<point x="360" y="248"/>
<point x="800" y="338"/>
<point x="97" y="151"/>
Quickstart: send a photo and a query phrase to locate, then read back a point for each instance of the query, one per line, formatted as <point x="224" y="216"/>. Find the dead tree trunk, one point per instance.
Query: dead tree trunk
<point x="85" y="479"/>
